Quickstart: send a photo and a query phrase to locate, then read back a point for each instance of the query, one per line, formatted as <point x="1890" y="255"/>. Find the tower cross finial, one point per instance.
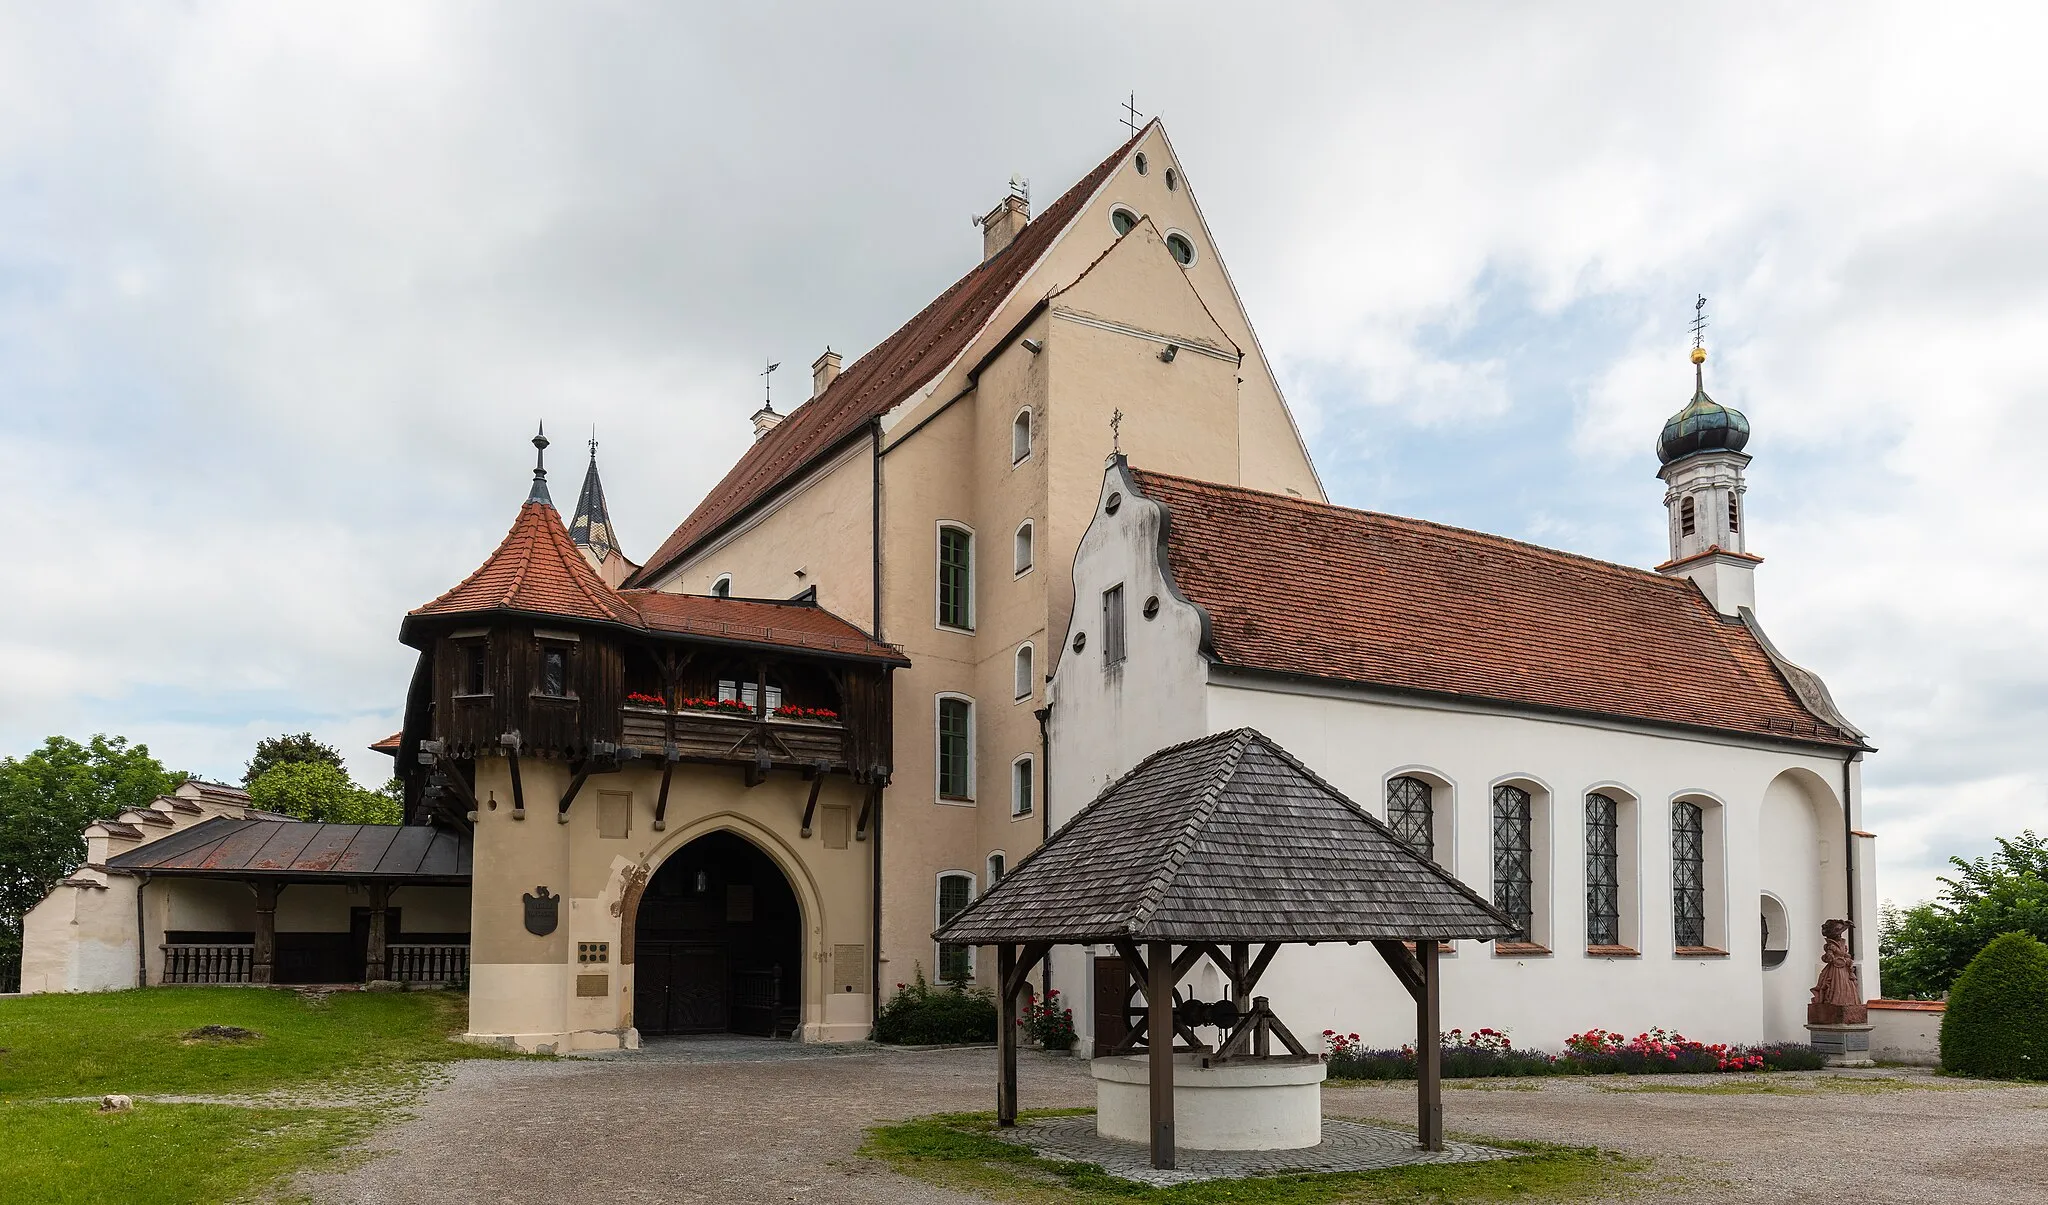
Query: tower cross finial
<point x="1699" y="343"/>
<point x="1116" y="433"/>
<point x="1131" y="114"/>
<point x="593" y="441"/>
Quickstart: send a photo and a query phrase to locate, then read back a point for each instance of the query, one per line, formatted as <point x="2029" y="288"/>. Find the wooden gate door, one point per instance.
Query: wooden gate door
<point x="681" y="988"/>
<point x="1112" y="997"/>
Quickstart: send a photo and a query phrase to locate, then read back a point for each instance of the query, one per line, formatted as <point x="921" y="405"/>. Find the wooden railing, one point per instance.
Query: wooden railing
<point x="713" y="735"/>
<point x="208" y="964"/>
<point x="410" y="963"/>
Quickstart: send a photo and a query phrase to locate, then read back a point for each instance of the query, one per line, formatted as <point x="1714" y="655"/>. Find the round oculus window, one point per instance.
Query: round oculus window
<point x="1114" y="501"/>
<point x="1182" y="248"/>
<point x="1122" y="219"/>
<point x="1152" y="607"/>
<point x="1172" y="179"/>
<point x="1080" y="641"/>
<point x="1143" y="164"/>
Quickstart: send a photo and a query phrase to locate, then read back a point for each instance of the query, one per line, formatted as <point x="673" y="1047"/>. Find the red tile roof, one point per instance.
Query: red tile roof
<point x="536" y="570"/>
<point x="1308" y="588"/>
<point x="389" y="744"/>
<point x="874" y="384"/>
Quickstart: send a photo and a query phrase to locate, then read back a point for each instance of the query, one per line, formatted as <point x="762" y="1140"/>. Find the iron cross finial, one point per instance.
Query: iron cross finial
<point x="1116" y="434"/>
<point x="1699" y="322"/>
<point x="1131" y="113"/>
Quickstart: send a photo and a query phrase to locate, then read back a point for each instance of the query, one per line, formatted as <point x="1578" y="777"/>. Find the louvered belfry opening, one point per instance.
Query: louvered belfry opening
<point x="1223" y="849"/>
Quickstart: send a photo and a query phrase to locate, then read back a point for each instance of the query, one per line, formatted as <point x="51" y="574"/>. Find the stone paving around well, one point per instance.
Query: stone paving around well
<point x="1347" y="1146"/>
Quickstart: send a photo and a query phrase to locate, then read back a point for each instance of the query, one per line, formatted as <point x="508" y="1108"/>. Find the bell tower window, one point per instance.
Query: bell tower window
<point x="1688" y="522"/>
<point x="1734" y="514"/>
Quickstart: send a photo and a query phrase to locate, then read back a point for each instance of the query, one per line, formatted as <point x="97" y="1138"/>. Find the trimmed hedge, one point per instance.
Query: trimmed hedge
<point x="921" y="1015"/>
<point x="1996" y="1025"/>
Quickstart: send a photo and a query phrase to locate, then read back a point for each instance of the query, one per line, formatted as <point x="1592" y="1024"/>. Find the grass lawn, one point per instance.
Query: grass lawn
<point x="335" y="1053"/>
<point x="960" y="1151"/>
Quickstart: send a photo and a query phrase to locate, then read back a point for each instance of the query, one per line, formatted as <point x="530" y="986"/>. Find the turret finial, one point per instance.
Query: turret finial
<point x="539" y="492"/>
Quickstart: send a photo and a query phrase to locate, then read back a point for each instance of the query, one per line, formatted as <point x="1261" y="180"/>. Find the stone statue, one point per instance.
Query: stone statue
<point x="1837" y="997"/>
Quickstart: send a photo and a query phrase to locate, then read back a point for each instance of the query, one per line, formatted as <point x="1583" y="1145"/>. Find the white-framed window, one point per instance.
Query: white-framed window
<point x="1027" y="678"/>
<point x="1181" y="247"/>
<point x="1420" y="810"/>
<point x="956" y="577"/>
<point x="731" y="690"/>
<point x="722" y="588"/>
<point x="1122" y="219"/>
<point x="1023" y="785"/>
<point x="955" y="740"/>
<point x="1020" y="437"/>
<point x="955" y="892"/>
<point x="1022" y="547"/>
<point x="1113" y="625"/>
<point x="998" y="866"/>
<point x="1521" y="857"/>
<point x="1699" y="909"/>
<point x="1612" y="919"/>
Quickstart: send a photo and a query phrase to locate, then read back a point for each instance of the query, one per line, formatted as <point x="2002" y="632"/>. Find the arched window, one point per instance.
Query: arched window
<point x="722" y="588"/>
<point x="956" y="748"/>
<point x="1687" y="523"/>
<point x="956" y="889"/>
<point x="1026" y="682"/>
<point x="1023" y="785"/>
<point x="1603" y="870"/>
<point x="956" y="577"/>
<point x="1734" y="514"/>
<point x="1122" y="219"/>
<point x="1182" y="247"/>
<point x="998" y="865"/>
<point x="1410" y="813"/>
<point x="1020" y="437"/>
<point x="1688" y="875"/>
<point x="1514" y="858"/>
<point x="1022" y="551"/>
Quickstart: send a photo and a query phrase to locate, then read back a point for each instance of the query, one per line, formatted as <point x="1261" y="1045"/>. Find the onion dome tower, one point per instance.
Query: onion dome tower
<point x="1701" y="462"/>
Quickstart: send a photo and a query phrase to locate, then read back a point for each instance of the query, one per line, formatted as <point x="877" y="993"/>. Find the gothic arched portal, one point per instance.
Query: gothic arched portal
<point x="718" y="943"/>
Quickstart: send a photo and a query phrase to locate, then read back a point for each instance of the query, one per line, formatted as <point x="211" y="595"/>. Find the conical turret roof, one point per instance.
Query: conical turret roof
<point x="591" y="526"/>
<point x="536" y="569"/>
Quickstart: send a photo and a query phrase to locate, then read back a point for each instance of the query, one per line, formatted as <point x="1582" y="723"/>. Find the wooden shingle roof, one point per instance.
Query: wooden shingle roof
<point x="1224" y="839"/>
<point x="303" y="851"/>
<point x="1306" y="588"/>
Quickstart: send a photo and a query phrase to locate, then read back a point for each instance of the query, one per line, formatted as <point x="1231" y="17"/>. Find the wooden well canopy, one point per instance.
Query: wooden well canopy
<point x="1216" y="846"/>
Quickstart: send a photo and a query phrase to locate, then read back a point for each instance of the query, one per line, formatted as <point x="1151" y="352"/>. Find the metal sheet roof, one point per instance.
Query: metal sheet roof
<point x="224" y="847"/>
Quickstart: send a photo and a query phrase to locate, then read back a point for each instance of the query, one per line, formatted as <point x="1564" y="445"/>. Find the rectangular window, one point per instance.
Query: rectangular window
<point x="731" y="690"/>
<point x="956" y="577"/>
<point x="1603" y="871"/>
<point x="1022" y="780"/>
<point x="955" y="962"/>
<point x="1513" y="859"/>
<point x="956" y="749"/>
<point x="554" y="670"/>
<point x="475" y="666"/>
<point x="1113" y="624"/>
<point x="1688" y="875"/>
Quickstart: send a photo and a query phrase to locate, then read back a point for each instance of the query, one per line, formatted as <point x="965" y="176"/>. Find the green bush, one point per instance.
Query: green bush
<point x="1997" y="1020"/>
<point x="921" y="1015"/>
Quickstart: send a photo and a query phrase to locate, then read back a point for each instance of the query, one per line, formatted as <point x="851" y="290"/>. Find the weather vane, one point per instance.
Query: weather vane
<point x="768" y="385"/>
<point x="1131" y="113"/>
<point x="1699" y="323"/>
<point x="1116" y="433"/>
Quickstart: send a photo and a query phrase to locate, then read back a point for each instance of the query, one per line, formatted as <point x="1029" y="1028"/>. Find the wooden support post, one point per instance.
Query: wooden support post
<point x="811" y="805"/>
<point x="668" y="769"/>
<point x="263" y="958"/>
<point x="1159" y="1005"/>
<point x="1006" y="1035"/>
<point x="1429" y="1078"/>
<point x="374" y="952"/>
<point x="569" y="796"/>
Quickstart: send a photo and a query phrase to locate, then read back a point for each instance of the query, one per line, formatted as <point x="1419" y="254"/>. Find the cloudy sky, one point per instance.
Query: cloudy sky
<point x="284" y="288"/>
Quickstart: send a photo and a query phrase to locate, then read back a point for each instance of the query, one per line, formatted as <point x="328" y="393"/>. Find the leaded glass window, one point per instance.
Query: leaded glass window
<point x="1688" y="875"/>
<point x="956" y="577"/>
<point x="1603" y="872"/>
<point x="956" y="737"/>
<point x="1513" y="860"/>
<point x="955" y="962"/>
<point x="1409" y="814"/>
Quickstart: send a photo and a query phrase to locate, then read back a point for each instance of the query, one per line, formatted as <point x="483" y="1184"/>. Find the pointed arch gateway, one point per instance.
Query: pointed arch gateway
<point x="715" y="936"/>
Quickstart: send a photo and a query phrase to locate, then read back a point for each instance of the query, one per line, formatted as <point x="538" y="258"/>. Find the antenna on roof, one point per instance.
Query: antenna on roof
<point x="767" y="386"/>
<point x="1020" y="188"/>
<point x="1131" y="114"/>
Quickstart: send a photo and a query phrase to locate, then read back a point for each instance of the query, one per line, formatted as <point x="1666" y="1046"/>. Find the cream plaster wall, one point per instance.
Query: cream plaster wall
<point x="217" y="905"/>
<point x="523" y="987"/>
<point x="81" y="939"/>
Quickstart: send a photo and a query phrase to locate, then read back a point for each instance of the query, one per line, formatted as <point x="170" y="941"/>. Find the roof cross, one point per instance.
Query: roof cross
<point x="1699" y="322"/>
<point x="1131" y="114"/>
<point x="1116" y="422"/>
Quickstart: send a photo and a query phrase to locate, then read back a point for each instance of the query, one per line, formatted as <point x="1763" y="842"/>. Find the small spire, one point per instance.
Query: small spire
<point x="590" y="528"/>
<point x="539" y="492"/>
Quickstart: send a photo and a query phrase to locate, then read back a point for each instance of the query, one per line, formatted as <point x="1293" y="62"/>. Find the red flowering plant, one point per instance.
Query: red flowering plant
<point x="721" y="706"/>
<point x="791" y="712"/>
<point x="1048" y="1022"/>
<point x="639" y="700"/>
<point x="1489" y="1052"/>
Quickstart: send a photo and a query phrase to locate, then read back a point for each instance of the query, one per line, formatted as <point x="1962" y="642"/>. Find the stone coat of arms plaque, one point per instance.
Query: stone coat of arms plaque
<point x="543" y="912"/>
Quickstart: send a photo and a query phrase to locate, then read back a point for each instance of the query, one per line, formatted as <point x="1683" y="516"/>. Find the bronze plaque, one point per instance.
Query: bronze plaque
<point x="593" y="985"/>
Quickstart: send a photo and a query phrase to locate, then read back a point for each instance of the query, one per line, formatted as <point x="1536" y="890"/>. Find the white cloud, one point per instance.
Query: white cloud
<point x="282" y="291"/>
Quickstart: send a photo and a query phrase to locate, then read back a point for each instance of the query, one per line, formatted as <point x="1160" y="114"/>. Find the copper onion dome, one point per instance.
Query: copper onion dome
<point x="1705" y="425"/>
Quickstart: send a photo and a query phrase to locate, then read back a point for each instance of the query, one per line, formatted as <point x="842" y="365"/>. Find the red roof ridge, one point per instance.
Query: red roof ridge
<point x="881" y="379"/>
<point x="1452" y="529"/>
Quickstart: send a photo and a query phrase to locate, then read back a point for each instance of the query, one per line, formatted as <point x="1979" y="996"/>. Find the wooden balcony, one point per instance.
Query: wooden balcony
<point x="738" y="737"/>
<point x="207" y="963"/>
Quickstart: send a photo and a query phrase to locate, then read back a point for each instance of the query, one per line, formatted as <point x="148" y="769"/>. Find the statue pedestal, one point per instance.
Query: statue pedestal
<point x="1844" y="1045"/>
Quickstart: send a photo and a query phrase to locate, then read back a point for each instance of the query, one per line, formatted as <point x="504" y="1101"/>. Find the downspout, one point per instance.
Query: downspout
<point x="875" y="535"/>
<point x="1045" y="810"/>
<point x="141" y="934"/>
<point x="889" y="692"/>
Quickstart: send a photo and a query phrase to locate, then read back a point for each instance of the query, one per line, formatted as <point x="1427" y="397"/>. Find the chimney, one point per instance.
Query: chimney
<point x="824" y="370"/>
<point x="1003" y="224"/>
<point x="765" y="420"/>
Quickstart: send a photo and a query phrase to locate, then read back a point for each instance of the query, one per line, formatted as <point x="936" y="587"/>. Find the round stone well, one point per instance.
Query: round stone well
<point x="1239" y="1104"/>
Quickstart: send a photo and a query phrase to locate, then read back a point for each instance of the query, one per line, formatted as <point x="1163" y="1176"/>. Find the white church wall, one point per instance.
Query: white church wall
<point x="81" y="939"/>
<point x="1357" y="741"/>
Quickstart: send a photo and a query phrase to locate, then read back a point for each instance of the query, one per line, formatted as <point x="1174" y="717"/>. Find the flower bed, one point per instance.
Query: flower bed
<point x="1048" y="1022"/>
<point x="1488" y="1052"/>
<point x="824" y="714"/>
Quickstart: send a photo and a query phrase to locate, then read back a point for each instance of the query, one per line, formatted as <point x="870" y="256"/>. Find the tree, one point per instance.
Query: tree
<point x="317" y="791"/>
<point x="1997" y="1019"/>
<point x="46" y="800"/>
<point x="280" y="750"/>
<point x="1924" y="949"/>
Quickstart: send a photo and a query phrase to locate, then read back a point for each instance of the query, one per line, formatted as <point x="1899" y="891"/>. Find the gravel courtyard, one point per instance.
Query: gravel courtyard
<point x="739" y="1121"/>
